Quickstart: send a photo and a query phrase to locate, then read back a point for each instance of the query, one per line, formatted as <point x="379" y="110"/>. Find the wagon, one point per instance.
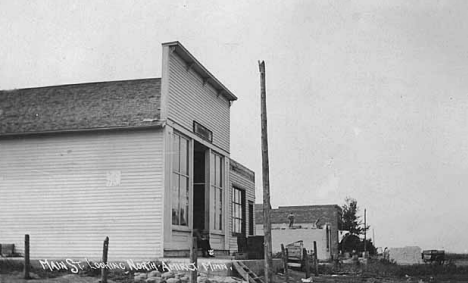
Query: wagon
<point x="433" y="256"/>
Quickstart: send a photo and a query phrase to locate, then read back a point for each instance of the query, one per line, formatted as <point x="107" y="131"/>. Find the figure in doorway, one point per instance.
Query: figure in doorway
<point x="203" y="242"/>
<point x="291" y="219"/>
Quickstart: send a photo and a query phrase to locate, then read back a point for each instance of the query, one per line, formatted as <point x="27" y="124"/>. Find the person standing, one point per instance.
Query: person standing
<point x="203" y="242"/>
<point x="291" y="219"/>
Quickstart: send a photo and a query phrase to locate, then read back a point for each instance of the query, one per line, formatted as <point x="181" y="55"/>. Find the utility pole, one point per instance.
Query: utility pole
<point x="365" y="234"/>
<point x="373" y="237"/>
<point x="266" y="178"/>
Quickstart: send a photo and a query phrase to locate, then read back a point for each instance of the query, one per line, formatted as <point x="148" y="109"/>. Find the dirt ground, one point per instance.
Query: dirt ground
<point x="446" y="275"/>
<point x="69" y="278"/>
<point x="294" y="277"/>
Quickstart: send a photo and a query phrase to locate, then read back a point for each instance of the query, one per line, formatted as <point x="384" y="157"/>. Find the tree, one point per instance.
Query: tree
<point x="351" y="220"/>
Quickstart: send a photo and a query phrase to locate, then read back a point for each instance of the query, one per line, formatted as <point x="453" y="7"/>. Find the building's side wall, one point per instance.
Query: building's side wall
<point x="245" y="180"/>
<point x="189" y="99"/>
<point x="70" y="191"/>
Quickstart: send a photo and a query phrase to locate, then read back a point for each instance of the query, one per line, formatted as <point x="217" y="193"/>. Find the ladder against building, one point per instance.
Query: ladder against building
<point x="246" y="273"/>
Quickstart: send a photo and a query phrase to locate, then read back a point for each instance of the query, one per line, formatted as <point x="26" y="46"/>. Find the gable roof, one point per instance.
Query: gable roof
<point x="302" y="214"/>
<point x="88" y="106"/>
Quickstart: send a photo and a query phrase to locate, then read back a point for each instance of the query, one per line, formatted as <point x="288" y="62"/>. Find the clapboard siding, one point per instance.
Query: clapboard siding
<point x="56" y="188"/>
<point x="242" y="182"/>
<point x="190" y="100"/>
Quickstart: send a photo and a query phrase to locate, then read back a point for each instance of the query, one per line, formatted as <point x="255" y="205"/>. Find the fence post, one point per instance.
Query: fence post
<point x="306" y="263"/>
<point x="104" y="260"/>
<point x="194" y="259"/>
<point x="315" y="259"/>
<point x="285" y="262"/>
<point x="27" y="263"/>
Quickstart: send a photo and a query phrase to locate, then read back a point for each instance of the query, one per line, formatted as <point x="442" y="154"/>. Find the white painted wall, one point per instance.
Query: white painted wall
<point x="188" y="100"/>
<point x="70" y="191"/>
<point x="241" y="182"/>
<point x="406" y="255"/>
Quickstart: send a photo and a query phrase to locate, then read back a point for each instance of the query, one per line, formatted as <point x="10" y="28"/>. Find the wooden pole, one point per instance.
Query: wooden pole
<point x="27" y="263"/>
<point x="315" y="259"/>
<point x="365" y="234"/>
<point x="373" y="237"/>
<point x="285" y="262"/>
<point x="104" y="270"/>
<point x="306" y="263"/>
<point x="194" y="260"/>
<point x="266" y="178"/>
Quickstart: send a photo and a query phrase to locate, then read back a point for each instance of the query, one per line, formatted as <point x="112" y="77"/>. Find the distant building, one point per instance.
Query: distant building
<point x="319" y="223"/>
<point x="143" y="162"/>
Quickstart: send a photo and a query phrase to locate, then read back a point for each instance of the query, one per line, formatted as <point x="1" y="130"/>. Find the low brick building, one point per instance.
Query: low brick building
<point x="297" y="218"/>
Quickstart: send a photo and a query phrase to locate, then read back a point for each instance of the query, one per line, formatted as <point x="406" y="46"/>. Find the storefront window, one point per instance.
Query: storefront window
<point x="217" y="180"/>
<point x="180" y="181"/>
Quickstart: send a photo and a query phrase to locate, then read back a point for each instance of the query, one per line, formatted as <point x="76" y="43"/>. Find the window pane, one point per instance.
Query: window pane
<point x="218" y="171"/>
<point x="183" y="200"/>
<point x="238" y="226"/>
<point x="175" y="199"/>
<point x="175" y="153"/>
<point x="238" y="216"/>
<point x="183" y="156"/>
<point x="220" y="209"/>
<point x="212" y="169"/>
<point x="187" y="200"/>
<point x="215" y="210"/>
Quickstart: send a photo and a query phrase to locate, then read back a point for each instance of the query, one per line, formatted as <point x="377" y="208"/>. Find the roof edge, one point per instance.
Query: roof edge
<point x="159" y="124"/>
<point x="189" y="58"/>
<point x="78" y="84"/>
<point x="309" y="206"/>
<point x="237" y="163"/>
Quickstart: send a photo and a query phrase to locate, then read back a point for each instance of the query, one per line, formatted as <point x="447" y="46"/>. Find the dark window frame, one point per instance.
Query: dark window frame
<point x="238" y="211"/>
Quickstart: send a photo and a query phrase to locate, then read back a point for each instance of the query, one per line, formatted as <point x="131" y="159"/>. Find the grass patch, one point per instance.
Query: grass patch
<point x="385" y="269"/>
<point x="454" y="256"/>
<point x="381" y="268"/>
<point x="10" y="266"/>
<point x="17" y="267"/>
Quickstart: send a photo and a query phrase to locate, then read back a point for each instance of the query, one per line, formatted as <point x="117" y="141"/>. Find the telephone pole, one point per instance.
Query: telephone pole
<point x="266" y="178"/>
<point x="365" y="234"/>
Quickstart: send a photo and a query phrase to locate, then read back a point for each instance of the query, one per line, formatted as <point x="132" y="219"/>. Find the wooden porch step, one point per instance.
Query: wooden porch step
<point x="246" y="273"/>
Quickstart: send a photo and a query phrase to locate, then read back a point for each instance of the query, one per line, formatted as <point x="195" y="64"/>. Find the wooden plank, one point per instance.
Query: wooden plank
<point x="246" y="273"/>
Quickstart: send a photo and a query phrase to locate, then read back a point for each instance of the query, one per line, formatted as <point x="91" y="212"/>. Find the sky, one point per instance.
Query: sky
<point x="366" y="99"/>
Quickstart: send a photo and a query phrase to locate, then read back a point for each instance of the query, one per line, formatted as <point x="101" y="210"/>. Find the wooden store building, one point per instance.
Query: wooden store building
<point x="144" y="162"/>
